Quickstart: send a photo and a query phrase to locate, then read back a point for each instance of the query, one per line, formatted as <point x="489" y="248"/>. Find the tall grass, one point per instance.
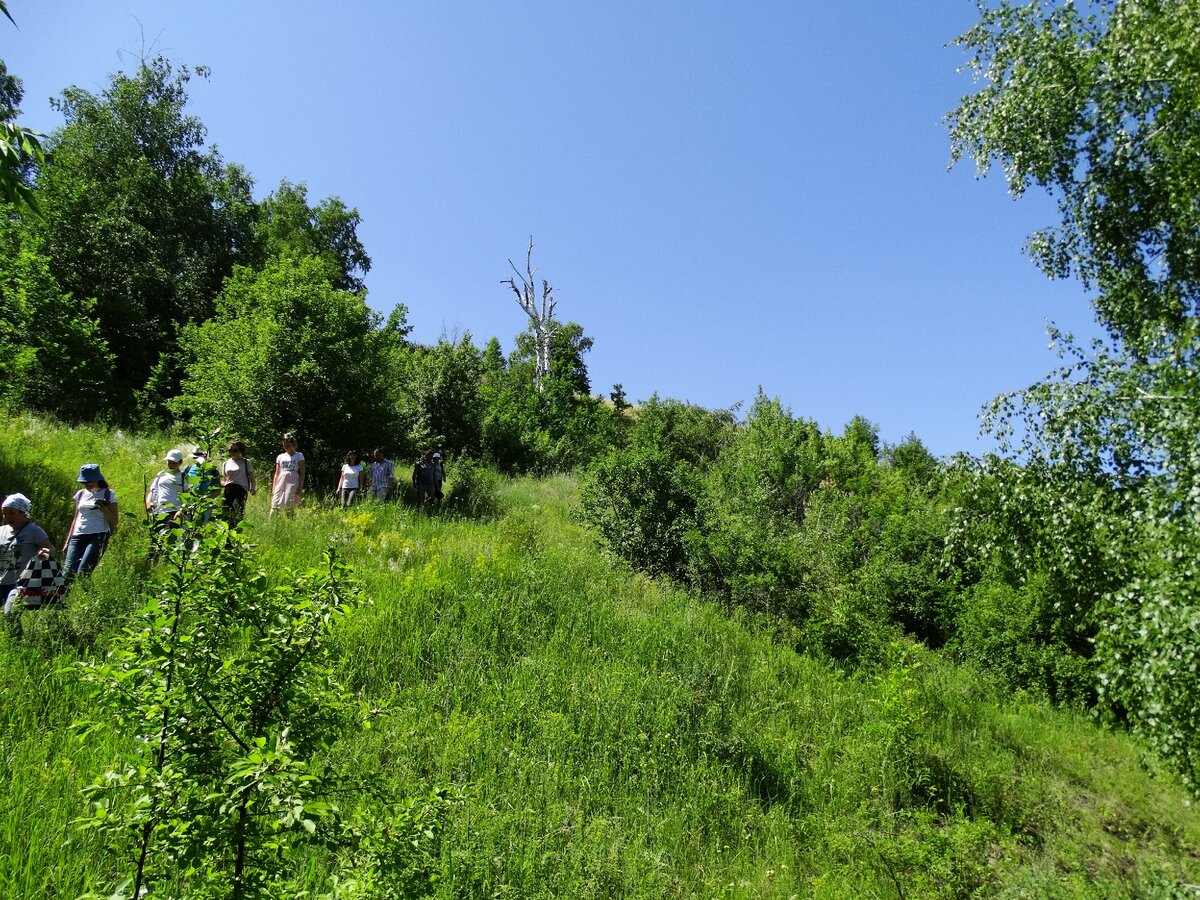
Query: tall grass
<point x="615" y="737"/>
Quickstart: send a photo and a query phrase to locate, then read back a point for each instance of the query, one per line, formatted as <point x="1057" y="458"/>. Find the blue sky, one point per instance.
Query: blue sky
<point x="723" y="195"/>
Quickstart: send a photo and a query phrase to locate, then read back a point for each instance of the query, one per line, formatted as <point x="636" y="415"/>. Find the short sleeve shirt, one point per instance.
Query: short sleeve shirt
<point x="90" y="511"/>
<point x="289" y="462"/>
<point x="17" y="548"/>
<point x="350" y="476"/>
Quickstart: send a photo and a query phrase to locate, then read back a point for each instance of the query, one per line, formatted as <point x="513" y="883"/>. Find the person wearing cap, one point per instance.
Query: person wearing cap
<point x="93" y="524"/>
<point x="202" y="479"/>
<point x="20" y="541"/>
<point x="163" y="498"/>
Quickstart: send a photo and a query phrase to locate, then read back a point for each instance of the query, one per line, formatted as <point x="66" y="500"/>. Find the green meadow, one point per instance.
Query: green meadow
<point x="601" y="734"/>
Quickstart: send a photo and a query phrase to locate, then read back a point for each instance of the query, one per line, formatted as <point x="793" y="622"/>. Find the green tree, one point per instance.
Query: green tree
<point x="53" y="356"/>
<point x="438" y="396"/>
<point x="20" y="148"/>
<point x="224" y="681"/>
<point x="1096" y="103"/>
<point x="643" y="499"/>
<point x="288" y="351"/>
<point x="565" y="426"/>
<point x="286" y="224"/>
<point x="140" y="216"/>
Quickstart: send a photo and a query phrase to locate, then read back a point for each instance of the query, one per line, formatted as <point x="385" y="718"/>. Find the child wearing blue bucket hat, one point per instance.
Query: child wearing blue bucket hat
<point x="94" y="522"/>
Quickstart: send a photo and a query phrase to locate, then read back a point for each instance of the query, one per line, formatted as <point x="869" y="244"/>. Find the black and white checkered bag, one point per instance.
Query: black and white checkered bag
<point x="42" y="583"/>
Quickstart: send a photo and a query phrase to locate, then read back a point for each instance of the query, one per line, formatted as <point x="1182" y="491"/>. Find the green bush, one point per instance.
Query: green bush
<point x="1013" y="632"/>
<point x="473" y="488"/>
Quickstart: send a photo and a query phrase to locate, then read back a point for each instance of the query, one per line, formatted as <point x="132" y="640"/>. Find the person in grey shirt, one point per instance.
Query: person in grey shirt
<point x="20" y="541"/>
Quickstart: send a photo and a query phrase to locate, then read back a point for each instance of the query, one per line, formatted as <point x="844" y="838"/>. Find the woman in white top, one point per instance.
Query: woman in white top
<point x="351" y="478"/>
<point x="287" y="490"/>
<point x="237" y="480"/>
<point x="94" y="522"/>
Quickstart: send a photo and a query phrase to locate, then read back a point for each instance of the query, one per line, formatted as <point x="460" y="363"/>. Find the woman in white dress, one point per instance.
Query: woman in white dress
<point x="287" y="490"/>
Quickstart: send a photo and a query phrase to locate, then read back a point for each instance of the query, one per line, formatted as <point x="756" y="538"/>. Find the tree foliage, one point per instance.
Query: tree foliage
<point x="287" y="225"/>
<point x="140" y="216"/>
<point x="1097" y="104"/>
<point x="20" y="148"/>
<point x="776" y="516"/>
<point x="287" y="351"/>
<point x="53" y="356"/>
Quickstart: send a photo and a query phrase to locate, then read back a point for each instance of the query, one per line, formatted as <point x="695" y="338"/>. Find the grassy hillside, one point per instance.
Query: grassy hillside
<point x="610" y="735"/>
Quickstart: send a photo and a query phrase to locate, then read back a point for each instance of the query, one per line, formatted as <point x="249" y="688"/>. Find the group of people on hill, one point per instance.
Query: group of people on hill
<point x="236" y="480"/>
<point x="25" y="546"/>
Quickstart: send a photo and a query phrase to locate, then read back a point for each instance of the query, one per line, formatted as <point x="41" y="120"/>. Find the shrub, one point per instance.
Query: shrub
<point x="473" y="488"/>
<point x="1015" y="633"/>
<point x="223" y="682"/>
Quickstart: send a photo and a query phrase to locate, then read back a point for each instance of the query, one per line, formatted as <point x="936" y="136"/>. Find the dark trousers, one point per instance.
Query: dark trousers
<point x="235" y="502"/>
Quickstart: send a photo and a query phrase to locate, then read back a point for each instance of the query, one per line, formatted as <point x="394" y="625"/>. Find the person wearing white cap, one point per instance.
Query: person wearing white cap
<point x="20" y="541"/>
<point x="163" y="497"/>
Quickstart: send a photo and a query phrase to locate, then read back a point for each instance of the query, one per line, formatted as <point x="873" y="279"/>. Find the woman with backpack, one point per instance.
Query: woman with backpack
<point x="93" y="524"/>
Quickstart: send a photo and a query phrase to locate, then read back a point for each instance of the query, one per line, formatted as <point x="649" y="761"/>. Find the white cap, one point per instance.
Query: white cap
<point x="174" y="456"/>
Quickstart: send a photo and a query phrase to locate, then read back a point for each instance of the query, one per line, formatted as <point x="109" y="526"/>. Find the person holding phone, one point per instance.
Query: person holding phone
<point x="93" y="524"/>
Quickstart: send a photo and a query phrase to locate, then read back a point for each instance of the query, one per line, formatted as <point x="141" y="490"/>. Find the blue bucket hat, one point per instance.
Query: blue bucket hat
<point x="89" y="472"/>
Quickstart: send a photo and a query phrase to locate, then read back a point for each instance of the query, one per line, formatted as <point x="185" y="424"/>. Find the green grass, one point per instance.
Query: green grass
<point x="613" y="736"/>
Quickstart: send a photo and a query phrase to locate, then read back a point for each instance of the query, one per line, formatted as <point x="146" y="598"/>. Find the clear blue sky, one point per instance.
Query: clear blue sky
<point x="724" y="195"/>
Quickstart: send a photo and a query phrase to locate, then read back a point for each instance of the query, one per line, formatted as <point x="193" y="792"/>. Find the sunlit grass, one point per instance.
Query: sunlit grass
<point x="614" y="736"/>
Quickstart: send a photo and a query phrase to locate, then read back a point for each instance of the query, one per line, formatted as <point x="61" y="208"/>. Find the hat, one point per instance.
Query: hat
<point x="200" y="455"/>
<point x="18" y="502"/>
<point x="89" y="472"/>
<point x="437" y="456"/>
<point x="174" y="456"/>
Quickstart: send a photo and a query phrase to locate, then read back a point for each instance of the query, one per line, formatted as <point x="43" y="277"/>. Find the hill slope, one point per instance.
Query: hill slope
<point x="612" y="736"/>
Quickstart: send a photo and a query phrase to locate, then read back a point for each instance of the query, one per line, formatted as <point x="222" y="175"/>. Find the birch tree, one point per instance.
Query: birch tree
<point x="540" y="312"/>
<point x="1096" y="102"/>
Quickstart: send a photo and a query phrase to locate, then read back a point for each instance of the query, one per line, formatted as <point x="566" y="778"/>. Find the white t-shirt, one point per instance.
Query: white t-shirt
<point x="289" y="462"/>
<point x="165" y="490"/>
<point x="351" y="475"/>
<point x="90" y="511"/>
<point x="237" y="471"/>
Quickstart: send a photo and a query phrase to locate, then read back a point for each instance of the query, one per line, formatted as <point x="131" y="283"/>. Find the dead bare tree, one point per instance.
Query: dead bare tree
<point x="541" y="314"/>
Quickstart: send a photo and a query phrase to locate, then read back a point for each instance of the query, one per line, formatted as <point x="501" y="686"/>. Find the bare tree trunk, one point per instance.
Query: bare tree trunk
<point x="541" y="314"/>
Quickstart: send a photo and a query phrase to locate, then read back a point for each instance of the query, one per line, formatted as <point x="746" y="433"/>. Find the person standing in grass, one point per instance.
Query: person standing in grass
<point x="163" y="498"/>
<point x="203" y="479"/>
<point x="383" y="475"/>
<point x="20" y="541"/>
<point x="439" y="475"/>
<point x="425" y="480"/>
<point x="93" y="524"/>
<point x="238" y="482"/>
<point x="287" y="488"/>
<point x="350" y="479"/>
